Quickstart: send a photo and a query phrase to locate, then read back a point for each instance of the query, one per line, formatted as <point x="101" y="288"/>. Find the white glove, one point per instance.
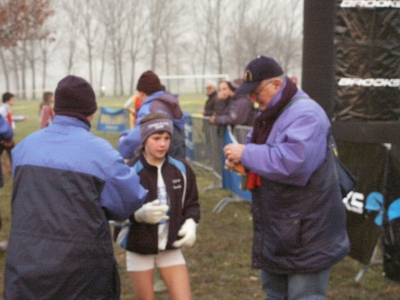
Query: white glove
<point x="188" y="232"/>
<point x="152" y="212"/>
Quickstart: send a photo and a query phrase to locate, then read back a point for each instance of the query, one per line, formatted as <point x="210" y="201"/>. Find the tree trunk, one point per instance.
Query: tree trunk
<point x="16" y="73"/>
<point x="33" y="65"/>
<point x="44" y="71"/>
<point x="5" y="69"/>
<point x="90" y="61"/>
<point x="102" y="68"/>
<point x="23" y="70"/>
<point x="121" y="75"/>
<point x="132" y="81"/>
<point x="115" y="71"/>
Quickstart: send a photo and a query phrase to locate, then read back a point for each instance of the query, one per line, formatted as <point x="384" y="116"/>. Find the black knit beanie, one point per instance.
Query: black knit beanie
<point x="149" y="83"/>
<point x="75" y="97"/>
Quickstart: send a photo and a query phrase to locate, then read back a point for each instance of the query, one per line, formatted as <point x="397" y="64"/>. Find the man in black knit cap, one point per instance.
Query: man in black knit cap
<point x="67" y="184"/>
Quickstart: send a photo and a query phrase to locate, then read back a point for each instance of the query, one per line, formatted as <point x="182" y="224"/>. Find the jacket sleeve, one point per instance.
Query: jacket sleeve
<point x="293" y="151"/>
<point x="3" y="112"/>
<point x="191" y="209"/>
<point x="239" y="113"/>
<point x="129" y="140"/>
<point x="122" y="194"/>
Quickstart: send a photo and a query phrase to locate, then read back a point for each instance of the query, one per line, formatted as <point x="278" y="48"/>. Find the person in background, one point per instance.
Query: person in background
<point x="212" y="98"/>
<point x="67" y="184"/>
<point x="132" y="106"/>
<point x="155" y="237"/>
<point x="155" y="99"/>
<point x="5" y="112"/>
<point x="6" y="133"/>
<point x="208" y="111"/>
<point x="298" y="215"/>
<point x="46" y="111"/>
<point x="232" y="108"/>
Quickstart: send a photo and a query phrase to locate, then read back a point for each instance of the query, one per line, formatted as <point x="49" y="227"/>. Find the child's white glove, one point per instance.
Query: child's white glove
<point x="188" y="233"/>
<point x="152" y="212"/>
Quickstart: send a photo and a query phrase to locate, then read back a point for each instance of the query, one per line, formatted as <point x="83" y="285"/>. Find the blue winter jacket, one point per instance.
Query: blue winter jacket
<point x="67" y="184"/>
<point x="6" y="132"/>
<point x="162" y="102"/>
<point x="299" y="217"/>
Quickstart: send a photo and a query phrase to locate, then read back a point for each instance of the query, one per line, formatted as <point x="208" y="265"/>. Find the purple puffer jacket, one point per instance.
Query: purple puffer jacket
<point x="299" y="218"/>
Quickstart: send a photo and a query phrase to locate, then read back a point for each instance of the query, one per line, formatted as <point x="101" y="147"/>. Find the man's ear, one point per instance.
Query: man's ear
<point x="277" y="83"/>
<point x="90" y="118"/>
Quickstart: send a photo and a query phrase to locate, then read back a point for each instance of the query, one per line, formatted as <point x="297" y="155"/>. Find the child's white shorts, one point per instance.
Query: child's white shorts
<point x="144" y="262"/>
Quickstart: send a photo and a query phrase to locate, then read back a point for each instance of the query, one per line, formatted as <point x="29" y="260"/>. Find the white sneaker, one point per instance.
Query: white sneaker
<point x="3" y="245"/>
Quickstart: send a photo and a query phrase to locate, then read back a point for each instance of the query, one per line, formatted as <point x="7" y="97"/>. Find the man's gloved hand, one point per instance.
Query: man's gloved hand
<point x="188" y="233"/>
<point x="151" y="212"/>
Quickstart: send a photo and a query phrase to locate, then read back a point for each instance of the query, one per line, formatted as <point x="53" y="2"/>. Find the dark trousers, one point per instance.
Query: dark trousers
<point x="7" y="146"/>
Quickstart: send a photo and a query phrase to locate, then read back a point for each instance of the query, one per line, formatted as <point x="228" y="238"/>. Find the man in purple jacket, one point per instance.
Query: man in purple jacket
<point x="299" y="217"/>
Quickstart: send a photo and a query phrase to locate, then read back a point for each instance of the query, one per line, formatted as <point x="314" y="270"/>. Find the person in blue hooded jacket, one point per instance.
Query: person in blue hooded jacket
<point x="155" y="99"/>
<point x="298" y="214"/>
<point x="67" y="184"/>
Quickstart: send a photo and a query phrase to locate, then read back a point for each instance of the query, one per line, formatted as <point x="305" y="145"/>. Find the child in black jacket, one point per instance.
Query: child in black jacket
<point x="161" y="227"/>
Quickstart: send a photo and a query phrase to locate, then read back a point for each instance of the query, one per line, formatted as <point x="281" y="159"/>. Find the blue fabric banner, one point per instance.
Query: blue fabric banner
<point x="189" y="137"/>
<point x="112" y="120"/>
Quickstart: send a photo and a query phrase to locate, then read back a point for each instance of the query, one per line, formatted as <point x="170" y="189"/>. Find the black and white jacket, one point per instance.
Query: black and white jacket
<point x="180" y="182"/>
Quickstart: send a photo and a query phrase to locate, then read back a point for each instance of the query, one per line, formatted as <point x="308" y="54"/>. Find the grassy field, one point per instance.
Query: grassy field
<point x="219" y="262"/>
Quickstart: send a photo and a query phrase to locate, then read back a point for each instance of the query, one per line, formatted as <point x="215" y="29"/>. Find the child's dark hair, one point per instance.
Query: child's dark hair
<point x="7" y="96"/>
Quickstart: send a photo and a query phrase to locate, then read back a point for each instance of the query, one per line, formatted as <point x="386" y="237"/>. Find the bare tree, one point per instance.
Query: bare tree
<point x="103" y="57"/>
<point x="237" y="35"/>
<point x="20" y="22"/>
<point x="218" y="31"/>
<point x="5" y="66"/>
<point x="32" y="57"/>
<point x="22" y="19"/>
<point x="173" y="21"/>
<point x="258" y="33"/>
<point x="173" y="36"/>
<point x="47" y="47"/>
<point x="136" y="38"/>
<point x="15" y="65"/>
<point x="113" y="16"/>
<point x="155" y="23"/>
<point x="88" y="28"/>
<point x="203" y="22"/>
<point x="69" y="34"/>
<point x="289" y="36"/>
<point x="22" y="61"/>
